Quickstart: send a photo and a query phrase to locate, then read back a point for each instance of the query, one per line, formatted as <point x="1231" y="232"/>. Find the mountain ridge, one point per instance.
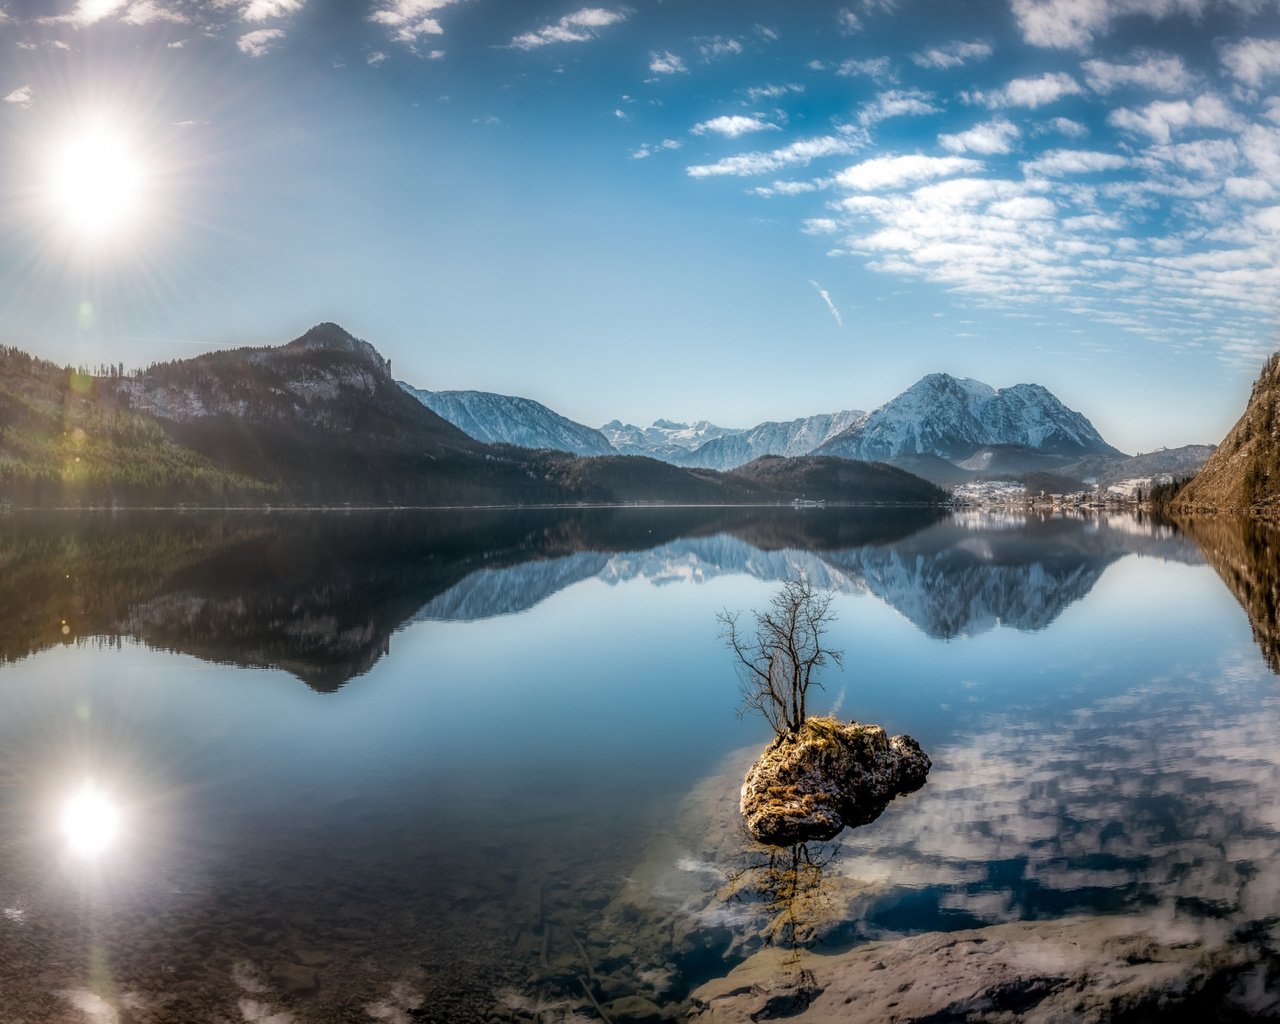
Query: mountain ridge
<point x="507" y="419"/>
<point x="321" y="420"/>
<point x="953" y="417"/>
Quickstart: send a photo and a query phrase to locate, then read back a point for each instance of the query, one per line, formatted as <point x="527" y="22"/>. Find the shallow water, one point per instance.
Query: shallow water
<point x="445" y="767"/>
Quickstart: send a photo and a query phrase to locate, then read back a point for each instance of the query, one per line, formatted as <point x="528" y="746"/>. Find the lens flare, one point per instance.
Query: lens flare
<point x="90" y="821"/>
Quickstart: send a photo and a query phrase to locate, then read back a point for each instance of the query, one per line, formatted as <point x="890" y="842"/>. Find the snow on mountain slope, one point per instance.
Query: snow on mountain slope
<point x="953" y="417"/>
<point x="793" y="438"/>
<point x="503" y="419"/>
<point x="665" y="439"/>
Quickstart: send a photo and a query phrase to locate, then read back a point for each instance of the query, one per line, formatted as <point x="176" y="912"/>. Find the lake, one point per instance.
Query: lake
<point x="483" y="765"/>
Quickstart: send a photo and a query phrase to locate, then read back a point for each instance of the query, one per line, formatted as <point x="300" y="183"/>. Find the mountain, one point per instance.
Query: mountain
<point x="824" y="478"/>
<point x="665" y="439"/>
<point x="795" y="437"/>
<point x="503" y="419"/>
<point x="68" y="437"/>
<point x="319" y="420"/>
<point x="1243" y="474"/>
<point x="1160" y="466"/>
<point x="955" y="417"/>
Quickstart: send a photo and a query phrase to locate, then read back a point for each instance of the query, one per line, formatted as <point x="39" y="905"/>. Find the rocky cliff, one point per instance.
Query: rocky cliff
<point x="1243" y="475"/>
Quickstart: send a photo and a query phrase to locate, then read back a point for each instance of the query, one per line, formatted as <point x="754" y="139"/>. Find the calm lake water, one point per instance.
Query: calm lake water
<point x="483" y="766"/>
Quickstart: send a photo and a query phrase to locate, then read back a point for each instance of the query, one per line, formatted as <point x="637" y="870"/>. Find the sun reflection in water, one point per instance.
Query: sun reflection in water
<point x="90" y="820"/>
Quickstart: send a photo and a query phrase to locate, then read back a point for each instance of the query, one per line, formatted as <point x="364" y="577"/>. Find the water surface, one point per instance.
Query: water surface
<point x="483" y="766"/>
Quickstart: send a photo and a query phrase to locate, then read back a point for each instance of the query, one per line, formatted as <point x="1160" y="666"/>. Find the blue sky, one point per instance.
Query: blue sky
<point x="738" y="211"/>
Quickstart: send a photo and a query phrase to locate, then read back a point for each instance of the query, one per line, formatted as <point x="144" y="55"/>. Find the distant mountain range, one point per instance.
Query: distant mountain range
<point x="321" y="420"/>
<point x="945" y="429"/>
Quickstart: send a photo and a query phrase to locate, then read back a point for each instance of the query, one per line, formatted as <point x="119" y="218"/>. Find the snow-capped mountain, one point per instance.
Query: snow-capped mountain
<point x="665" y="439"/>
<point x="793" y="438"/>
<point x="504" y="419"/>
<point x="953" y="417"/>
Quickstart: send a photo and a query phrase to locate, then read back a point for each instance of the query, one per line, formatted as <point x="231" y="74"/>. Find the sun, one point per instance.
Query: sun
<point x="90" y="821"/>
<point x="96" y="182"/>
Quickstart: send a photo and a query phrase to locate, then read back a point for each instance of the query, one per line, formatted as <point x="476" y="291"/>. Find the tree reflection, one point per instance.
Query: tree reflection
<point x="792" y="887"/>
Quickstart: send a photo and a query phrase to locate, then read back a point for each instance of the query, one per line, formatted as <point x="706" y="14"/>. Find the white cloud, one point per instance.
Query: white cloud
<point x="578" y="27"/>
<point x="1064" y="126"/>
<point x="799" y="153"/>
<point x="896" y="103"/>
<point x="646" y="151"/>
<point x="1023" y="208"/>
<point x="952" y="55"/>
<point x="789" y="188"/>
<point x="1028" y="92"/>
<point x="149" y="12"/>
<point x="1073" y="24"/>
<point x="375" y="58"/>
<point x="848" y="22"/>
<point x="260" y="42"/>
<point x="989" y="138"/>
<point x="1252" y="61"/>
<point x="886" y="172"/>
<point x="1074" y="161"/>
<point x="666" y="63"/>
<point x="264" y="10"/>
<point x="879" y="69"/>
<point x="1160" y="119"/>
<point x="831" y="306"/>
<point x="1216" y="159"/>
<point x="772" y="92"/>
<point x="733" y="125"/>
<point x="410" y="20"/>
<point x="85" y="13"/>
<point x="1157" y="72"/>
<point x="717" y="47"/>
<point x="21" y="96"/>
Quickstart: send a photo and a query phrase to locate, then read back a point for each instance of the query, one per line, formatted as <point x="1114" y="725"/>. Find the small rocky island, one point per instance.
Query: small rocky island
<point x="826" y="776"/>
<point x="818" y="775"/>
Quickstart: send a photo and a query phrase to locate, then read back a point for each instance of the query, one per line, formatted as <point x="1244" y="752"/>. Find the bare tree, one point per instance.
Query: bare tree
<point x="776" y="665"/>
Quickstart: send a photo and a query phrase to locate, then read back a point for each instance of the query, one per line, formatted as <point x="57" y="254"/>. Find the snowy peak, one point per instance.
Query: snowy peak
<point x="791" y="438"/>
<point x="665" y="439"/>
<point x="953" y="417"/>
<point x="506" y="419"/>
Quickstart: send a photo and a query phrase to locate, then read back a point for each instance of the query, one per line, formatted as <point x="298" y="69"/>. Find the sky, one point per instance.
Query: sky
<point x="686" y="209"/>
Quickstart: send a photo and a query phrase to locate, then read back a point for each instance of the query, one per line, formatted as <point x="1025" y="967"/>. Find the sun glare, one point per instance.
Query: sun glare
<point x="96" y="182"/>
<point x="90" y="821"/>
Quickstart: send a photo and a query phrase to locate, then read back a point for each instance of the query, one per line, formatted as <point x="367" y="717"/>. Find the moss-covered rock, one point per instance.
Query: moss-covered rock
<point x="827" y="776"/>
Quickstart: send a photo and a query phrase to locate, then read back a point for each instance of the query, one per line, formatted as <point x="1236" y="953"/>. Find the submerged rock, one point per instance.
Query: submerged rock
<point x="1036" y="972"/>
<point x="810" y="784"/>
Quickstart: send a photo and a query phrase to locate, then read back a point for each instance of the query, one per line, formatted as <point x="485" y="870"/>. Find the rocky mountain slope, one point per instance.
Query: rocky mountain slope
<point x="665" y="439"/>
<point x="1243" y="474"/>
<point x="795" y="437"/>
<point x="954" y="417"/>
<point x="504" y="419"/>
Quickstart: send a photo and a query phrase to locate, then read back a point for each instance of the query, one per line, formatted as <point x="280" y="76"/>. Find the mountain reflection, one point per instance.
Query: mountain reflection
<point x="319" y="595"/>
